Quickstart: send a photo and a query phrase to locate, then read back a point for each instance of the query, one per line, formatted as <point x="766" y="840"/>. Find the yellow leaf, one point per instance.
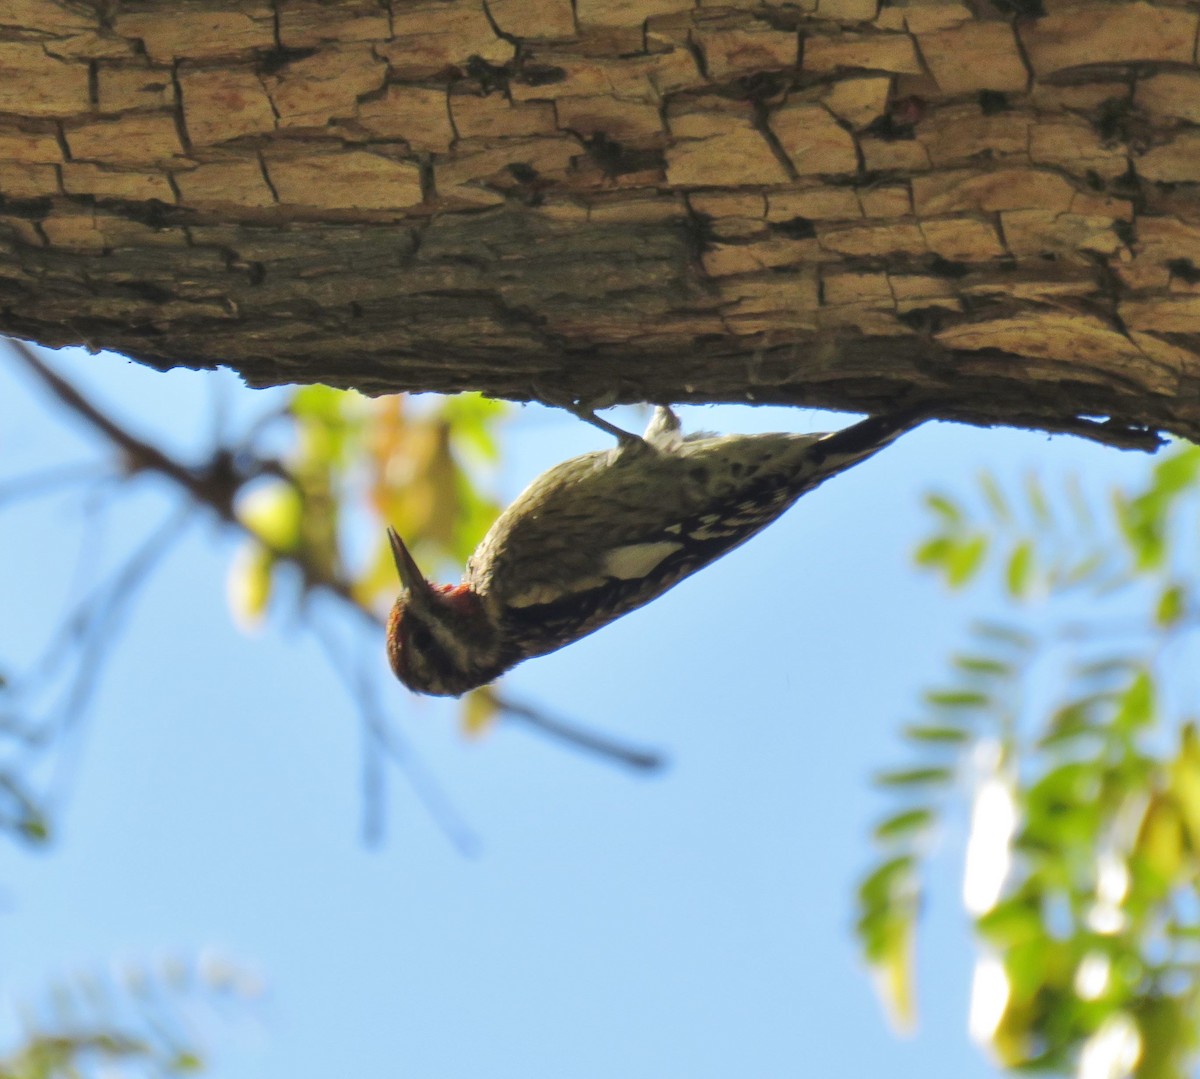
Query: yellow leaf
<point x="1159" y="843"/>
<point x="416" y="478"/>
<point x="1184" y="778"/>
<point x="248" y="586"/>
<point x="273" y="513"/>
<point x="1018" y="997"/>
<point x="479" y="712"/>
<point x="892" y="970"/>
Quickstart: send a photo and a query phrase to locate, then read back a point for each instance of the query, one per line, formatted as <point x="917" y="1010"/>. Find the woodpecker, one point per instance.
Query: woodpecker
<point x="602" y="534"/>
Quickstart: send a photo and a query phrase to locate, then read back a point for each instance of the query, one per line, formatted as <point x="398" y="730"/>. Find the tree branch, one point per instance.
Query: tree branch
<point x="215" y="485"/>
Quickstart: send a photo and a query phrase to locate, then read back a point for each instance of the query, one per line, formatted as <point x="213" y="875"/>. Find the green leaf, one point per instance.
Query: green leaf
<point x="1142" y="523"/>
<point x="945" y="507"/>
<point x="1085" y="519"/>
<point x="34" y="828"/>
<point x="965" y="559"/>
<point x="1014" y="920"/>
<point x="984" y="665"/>
<point x="473" y="419"/>
<point x="317" y="402"/>
<point x="994" y="498"/>
<point x="1136" y="706"/>
<point x="476" y="513"/>
<point x="1005" y="634"/>
<point x="1182" y="932"/>
<point x="186" y="1061"/>
<point x="947" y="735"/>
<point x="1072" y="720"/>
<point x="933" y="552"/>
<point x="914" y="777"/>
<point x="901" y="824"/>
<point x="1159" y="848"/>
<point x="1167" y="1027"/>
<point x="325" y="420"/>
<point x="1177" y="472"/>
<point x="1172" y="604"/>
<point x="1031" y="967"/>
<point x="885" y="882"/>
<point x="1037" y="500"/>
<point x="1075" y="783"/>
<point x="957" y="698"/>
<point x="1020" y="570"/>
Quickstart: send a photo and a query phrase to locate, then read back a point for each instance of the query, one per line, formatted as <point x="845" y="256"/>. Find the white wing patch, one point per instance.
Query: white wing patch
<point x="627" y="563"/>
<point x="549" y="592"/>
<point x="637" y="559"/>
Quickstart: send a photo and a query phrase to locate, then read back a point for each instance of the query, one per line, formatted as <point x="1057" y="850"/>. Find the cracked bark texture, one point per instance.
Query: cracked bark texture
<point x="994" y="203"/>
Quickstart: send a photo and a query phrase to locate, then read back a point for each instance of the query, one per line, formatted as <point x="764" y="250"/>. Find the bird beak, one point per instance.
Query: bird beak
<point x="410" y="576"/>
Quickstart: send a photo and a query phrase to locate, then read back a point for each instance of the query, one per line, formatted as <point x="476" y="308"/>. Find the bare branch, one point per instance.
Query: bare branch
<point x="643" y="760"/>
<point x="39" y="484"/>
<point x="383" y="736"/>
<point x="215" y="485"/>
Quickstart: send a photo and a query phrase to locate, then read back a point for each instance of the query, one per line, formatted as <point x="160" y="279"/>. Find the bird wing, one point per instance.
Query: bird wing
<point x="602" y="534"/>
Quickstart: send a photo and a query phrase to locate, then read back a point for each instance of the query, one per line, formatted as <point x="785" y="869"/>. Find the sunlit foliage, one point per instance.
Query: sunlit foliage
<point x="355" y="465"/>
<point x="1070" y="728"/>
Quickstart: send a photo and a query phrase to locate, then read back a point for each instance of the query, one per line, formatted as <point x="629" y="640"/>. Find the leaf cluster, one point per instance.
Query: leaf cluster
<point x="1069" y="727"/>
<point x="308" y="488"/>
<point x="357" y="465"/>
<point x="141" y="1021"/>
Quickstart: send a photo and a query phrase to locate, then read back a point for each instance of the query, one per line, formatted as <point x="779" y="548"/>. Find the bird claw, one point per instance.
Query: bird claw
<point x="581" y="411"/>
<point x="663" y="430"/>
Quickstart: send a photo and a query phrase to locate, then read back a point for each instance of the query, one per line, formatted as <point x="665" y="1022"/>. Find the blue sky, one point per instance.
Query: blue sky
<point x="694" y="923"/>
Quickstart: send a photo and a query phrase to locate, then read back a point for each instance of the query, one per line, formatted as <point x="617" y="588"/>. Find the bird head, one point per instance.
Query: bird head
<point x="439" y="638"/>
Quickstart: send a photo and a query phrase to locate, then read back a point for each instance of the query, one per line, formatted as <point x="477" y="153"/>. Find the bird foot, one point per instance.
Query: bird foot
<point x="583" y="412"/>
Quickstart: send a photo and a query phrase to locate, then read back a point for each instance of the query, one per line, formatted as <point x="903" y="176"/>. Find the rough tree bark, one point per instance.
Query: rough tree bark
<point x="993" y="203"/>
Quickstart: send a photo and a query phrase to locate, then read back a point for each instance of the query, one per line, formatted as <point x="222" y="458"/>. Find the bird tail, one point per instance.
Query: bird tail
<point x="855" y="443"/>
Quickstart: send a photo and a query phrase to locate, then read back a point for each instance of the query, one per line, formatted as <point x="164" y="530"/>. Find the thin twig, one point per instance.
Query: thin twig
<point x="643" y="760"/>
<point x="103" y="601"/>
<point x="361" y="686"/>
<point x="207" y="487"/>
<point x="37" y="484"/>
<point x="102" y="612"/>
<point x="110" y="609"/>
<point x="215" y="488"/>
